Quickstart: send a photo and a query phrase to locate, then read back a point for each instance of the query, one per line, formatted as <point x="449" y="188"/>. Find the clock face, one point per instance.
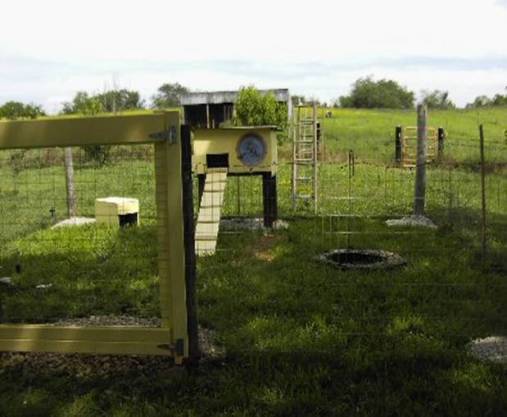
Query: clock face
<point x="251" y="149"/>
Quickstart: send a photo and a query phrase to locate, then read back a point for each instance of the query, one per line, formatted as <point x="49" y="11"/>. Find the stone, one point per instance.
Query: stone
<point x="492" y="348"/>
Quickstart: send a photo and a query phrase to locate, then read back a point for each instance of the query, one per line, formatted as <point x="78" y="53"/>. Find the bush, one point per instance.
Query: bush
<point x="370" y="94"/>
<point x="98" y="154"/>
<point x="256" y="109"/>
<point x="16" y="160"/>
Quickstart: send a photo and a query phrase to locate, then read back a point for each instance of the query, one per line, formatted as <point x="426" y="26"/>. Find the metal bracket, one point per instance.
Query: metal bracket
<point x="170" y="135"/>
<point x="180" y="347"/>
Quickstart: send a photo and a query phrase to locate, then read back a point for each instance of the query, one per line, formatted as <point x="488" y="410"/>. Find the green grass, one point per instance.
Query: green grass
<point x="301" y="338"/>
<point x="370" y="133"/>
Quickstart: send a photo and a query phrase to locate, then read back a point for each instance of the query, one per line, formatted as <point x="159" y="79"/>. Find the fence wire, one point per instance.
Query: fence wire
<point x="59" y="270"/>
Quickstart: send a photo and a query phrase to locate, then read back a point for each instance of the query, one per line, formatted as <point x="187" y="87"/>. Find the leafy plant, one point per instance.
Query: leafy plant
<point x="254" y="108"/>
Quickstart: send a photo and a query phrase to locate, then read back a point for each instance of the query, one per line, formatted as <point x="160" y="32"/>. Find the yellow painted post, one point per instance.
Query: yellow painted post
<point x="171" y="252"/>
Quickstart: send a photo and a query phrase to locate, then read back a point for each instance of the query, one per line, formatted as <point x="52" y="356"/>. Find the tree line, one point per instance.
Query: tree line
<point x="252" y="107"/>
<point x="389" y="94"/>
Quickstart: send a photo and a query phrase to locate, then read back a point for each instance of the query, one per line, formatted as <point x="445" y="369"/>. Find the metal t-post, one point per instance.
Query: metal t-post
<point x="420" y="175"/>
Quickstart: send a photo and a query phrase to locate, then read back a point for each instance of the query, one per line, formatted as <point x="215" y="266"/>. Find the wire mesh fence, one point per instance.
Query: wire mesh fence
<point x="67" y="274"/>
<point x="56" y="268"/>
<point x="449" y="293"/>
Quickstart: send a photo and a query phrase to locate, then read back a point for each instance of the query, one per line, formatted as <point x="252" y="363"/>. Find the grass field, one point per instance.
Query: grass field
<point x="370" y="133"/>
<point x="300" y="338"/>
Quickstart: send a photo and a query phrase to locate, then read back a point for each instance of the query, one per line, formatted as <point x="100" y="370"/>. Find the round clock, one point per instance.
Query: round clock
<point x="251" y="149"/>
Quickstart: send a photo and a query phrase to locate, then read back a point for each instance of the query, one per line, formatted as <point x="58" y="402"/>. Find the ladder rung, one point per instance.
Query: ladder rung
<point x="208" y="238"/>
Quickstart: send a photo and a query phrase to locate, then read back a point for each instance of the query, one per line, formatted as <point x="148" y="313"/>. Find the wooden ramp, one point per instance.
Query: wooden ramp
<point x="210" y="211"/>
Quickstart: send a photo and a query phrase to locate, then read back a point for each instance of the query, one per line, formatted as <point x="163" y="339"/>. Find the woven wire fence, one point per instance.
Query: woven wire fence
<point x="448" y="293"/>
<point x="70" y="274"/>
<point x="62" y="270"/>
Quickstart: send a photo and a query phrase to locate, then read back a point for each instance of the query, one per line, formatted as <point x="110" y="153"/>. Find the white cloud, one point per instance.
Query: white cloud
<point x="51" y="49"/>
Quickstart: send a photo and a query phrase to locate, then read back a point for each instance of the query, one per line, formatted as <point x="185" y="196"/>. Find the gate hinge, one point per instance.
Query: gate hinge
<point x="178" y="348"/>
<point x="169" y="135"/>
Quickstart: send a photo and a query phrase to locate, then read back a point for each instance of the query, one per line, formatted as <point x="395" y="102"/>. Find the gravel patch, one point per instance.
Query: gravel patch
<point x="493" y="348"/>
<point x="84" y="366"/>
<point x="74" y="221"/>
<point x="110" y="320"/>
<point x="412" y="221"/>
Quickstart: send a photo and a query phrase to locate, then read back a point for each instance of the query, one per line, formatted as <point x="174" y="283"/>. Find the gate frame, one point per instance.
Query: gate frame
<point x="177" y="337"/>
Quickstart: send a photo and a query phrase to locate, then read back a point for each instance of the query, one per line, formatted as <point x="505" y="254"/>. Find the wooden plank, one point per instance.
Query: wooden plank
<point x="105" y="334"/>
<point x="78" y="131"/>
<point x="93" y="340"/>
<point x="171" y="252"/>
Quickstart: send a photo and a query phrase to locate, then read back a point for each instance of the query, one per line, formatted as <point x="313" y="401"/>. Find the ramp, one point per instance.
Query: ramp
<point x="210" y="211"/>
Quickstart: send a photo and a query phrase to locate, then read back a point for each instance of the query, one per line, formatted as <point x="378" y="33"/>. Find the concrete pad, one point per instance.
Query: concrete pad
<point x="74" y="221"/>
<point x="412" y="221"/>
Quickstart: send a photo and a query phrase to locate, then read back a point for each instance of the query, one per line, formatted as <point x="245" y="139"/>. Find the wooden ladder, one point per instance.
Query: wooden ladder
<point x="305" y="151"/>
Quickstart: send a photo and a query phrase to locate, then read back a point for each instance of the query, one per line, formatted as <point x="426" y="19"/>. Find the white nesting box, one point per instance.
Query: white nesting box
<point x="117" y="211"/>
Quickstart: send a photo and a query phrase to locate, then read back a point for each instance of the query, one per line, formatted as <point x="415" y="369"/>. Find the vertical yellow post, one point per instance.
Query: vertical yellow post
<point x="171" y="261"/>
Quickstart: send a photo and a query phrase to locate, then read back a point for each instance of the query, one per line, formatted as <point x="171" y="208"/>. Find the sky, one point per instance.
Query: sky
<point x="51" y="49"/>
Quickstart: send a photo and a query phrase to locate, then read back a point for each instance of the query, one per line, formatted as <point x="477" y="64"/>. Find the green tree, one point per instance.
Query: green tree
<point x="367" y="93"/>
<point x="83" y="103"/>
<point x="109" y="101"/>
<point x="437" y="100"/>
<point x="256" y="109"/>
<point x="485" y="101"/>
<point x="169" y="95"/>
<point x="480" y="101"/>
<point x="120" y="100"/>
<point x="499" y="100"/>
<point x="16" y="110"/>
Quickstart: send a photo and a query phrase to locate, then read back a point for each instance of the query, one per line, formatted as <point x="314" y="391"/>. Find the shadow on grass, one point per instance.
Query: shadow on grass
<point x="80" y="271"/>
<point x="303" y="339"/>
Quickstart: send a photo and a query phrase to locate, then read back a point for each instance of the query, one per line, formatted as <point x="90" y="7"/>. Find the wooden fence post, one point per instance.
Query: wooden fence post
<point x="441" y="142"/>
<point x="69" y="182"/>
<point x="420" y="175"/>
<point x="398" y="144"/>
